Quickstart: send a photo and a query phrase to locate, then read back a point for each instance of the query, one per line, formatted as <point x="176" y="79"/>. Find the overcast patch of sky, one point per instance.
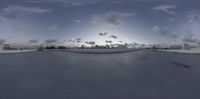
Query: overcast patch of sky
<point x="64" y="17"/>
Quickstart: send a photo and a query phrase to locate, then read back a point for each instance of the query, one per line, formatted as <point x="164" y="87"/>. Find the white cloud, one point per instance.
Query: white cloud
<point x="171" y="19"/>
<point x="53" y="28"/>
<point x="190" y="40"/>
<point x="14" y="11"/>
<point x="68" y="3"/>
<point x="163" y="32"/>
<point x="160" y="31"/>
<point x="2" y="19"/>
<point x="80" y="2"/>
<point x="193" y="16"/>
<point x="78" y="21"/>
<point x="111" y="18"/>
<point x="189" y="37"/>
<point x="170" y="9"/>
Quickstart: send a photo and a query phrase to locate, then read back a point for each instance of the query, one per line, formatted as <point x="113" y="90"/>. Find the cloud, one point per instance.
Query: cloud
<point x="189" y="38"/>
<point x="170" y="9"/>
<point x="51" y="41"/>
<point x="91" y="42"/>
<point x="2" y="41"/>
<point x="163" y="32"/>
<point x="171" y="19"/>
<point x="2" y="19"/>
<point x="120" y="41"/>
<point x="111" y="18"/>
<point x="53" y="28"/>
<point x="81" y="2"/>
<point x="79" y="40"/>
<point x="69" y="3"/>
<point x="34" y="41"/>
<point x="108" y="41"/>
<point x="14" y="11"/>
<point x="198" y="42"/>
<point x="193" y="16"/>
<point x="103" y="34"/>
<point x="113" y="36"/>
<point x="78" y="21"/>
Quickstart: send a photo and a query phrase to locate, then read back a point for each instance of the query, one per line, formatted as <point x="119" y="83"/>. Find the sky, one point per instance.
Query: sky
<point x="100" y="21"/>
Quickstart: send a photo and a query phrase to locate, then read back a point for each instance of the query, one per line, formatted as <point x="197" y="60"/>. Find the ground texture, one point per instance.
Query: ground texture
<point x="132" y="75"/>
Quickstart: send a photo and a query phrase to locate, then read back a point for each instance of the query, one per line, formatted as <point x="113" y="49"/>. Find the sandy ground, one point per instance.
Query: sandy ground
<point x="132" y="75"/>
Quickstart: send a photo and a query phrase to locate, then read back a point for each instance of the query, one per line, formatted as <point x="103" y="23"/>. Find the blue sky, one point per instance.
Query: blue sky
<point x="142" y="21"/>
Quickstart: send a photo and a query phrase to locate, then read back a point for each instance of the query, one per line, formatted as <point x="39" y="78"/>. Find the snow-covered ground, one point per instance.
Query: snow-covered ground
<point x="192" y="51"/>
<point x="14" y="51"/>
<point x="132" y="75"/>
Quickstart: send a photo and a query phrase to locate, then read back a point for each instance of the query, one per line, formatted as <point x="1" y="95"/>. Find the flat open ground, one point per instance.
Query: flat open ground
<point x="14" y="51"/>
<point x="184" y="51"/>
<point x="132" y="75"/>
